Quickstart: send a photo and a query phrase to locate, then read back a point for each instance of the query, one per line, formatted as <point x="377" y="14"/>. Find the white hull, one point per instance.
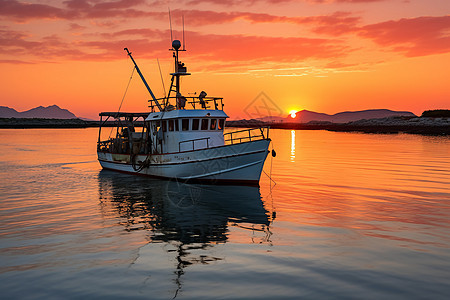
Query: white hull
<point x="238" y="164"/>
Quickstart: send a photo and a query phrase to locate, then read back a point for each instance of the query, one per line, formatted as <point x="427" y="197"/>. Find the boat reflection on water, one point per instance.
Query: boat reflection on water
<point x="187" y="216"/>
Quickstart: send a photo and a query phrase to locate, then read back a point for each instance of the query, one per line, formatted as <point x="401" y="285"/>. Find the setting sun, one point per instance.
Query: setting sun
<point x="293" y="113"/>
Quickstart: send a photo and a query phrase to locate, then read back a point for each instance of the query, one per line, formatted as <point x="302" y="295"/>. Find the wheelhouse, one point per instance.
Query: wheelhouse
<point x="186" y="130"/>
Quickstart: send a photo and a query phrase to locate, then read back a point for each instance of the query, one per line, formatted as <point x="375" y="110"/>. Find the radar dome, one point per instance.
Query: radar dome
<point x="176" y="44"/>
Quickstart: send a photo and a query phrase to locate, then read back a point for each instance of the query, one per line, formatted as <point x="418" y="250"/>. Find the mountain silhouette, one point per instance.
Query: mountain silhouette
<point x="306" y="116"/>
<point x="49" y="112"/>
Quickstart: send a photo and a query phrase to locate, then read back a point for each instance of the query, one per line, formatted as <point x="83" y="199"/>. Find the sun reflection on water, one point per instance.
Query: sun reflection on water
<point x="292" y="145"/>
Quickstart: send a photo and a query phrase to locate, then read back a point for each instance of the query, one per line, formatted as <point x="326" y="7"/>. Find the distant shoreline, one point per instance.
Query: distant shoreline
<point x="369" y="126"/>
<point x="25" y="123"/>
<point x="366" y="126"/>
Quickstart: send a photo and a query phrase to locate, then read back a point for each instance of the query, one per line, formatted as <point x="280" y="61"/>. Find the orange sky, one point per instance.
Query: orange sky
<point x="321" y="55"/>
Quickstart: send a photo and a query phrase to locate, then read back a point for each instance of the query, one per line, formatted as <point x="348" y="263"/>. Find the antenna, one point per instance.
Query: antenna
<point x="184" y="48"/>
<point x="170" y="21"/>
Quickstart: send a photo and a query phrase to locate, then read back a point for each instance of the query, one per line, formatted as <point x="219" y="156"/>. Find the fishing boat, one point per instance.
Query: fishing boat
<point x="182" y="138"/>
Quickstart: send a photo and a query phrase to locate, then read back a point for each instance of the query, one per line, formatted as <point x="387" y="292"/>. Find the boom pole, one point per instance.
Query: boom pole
<point x="143" y="79"/>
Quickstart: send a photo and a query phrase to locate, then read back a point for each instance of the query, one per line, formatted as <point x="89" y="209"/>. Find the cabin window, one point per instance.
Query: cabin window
<point x="221" y="124"/>
<point x="185" y="124"/>
<point x="164" y="126"/>
<point x="213" y="124"/>
<point x="171" y="126"/>
<point x="176" y="125"/>
<point x="195" y="124"/>
<point x="205" y="124"/>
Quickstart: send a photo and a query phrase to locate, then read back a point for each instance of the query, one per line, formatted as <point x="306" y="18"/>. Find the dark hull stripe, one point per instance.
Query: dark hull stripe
<point x="185" y="162"/>
<point x="196" y="180"/>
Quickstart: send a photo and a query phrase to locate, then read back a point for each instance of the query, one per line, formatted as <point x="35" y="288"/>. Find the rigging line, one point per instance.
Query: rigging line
<point x="184" y="43"/>
<point x="126" y="90"/>
<point x="170" y="21"/>
<point x="123" y="98"/>
<point x="162" y="80"/>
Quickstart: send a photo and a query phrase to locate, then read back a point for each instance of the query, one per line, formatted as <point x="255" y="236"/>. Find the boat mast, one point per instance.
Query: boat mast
<point x="180" y="69"/>
<point x="143" y="79"/>
<point x="176" y="45"/>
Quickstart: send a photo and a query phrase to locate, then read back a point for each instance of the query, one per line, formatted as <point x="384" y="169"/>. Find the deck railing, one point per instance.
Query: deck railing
<point x="246" y="135"/>
<point x="191" y="102"/>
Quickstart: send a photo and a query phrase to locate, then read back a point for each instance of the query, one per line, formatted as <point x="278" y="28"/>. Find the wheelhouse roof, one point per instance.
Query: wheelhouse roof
<point x="123" y="114"/>
<point x="188" y="113"/>
<point x="179" y="113"/>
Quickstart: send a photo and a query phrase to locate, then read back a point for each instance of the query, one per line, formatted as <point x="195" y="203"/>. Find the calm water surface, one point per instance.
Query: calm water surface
<point x="345" y="216"/>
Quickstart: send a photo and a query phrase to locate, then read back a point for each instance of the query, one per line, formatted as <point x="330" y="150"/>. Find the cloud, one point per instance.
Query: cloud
<point x="121" y="4"/>
<point x="413" y="37"/>
<point x="262" y="48"/>
<point x="111" y="50"/>
<point x="48" y="48"/>
<point x="230" y="48"/>
<point x="344" y="1"/>
<point x="76" y="27"/>
<point x="78" y="4"/>
<point x="251" y="2"/>
<point x="15" y="62"/>
<point x="150" y="43"/>
<point x="336" y="22"/>
<point x="87" y="9"/>
<point x="143" y="32"/>
<point x="73" y="10"/>
<point x="236" y="2"/>
<point x="354" y="1"/>
<point x="15" y="40"/>
<point x="25" y="11"/>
